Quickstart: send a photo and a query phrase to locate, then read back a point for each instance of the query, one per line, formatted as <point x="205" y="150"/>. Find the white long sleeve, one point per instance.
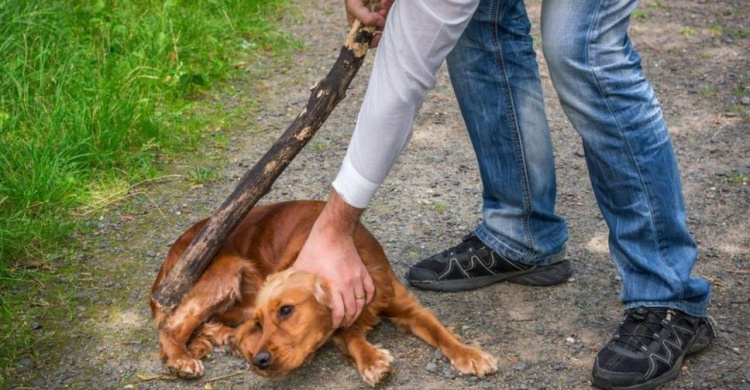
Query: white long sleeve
<point x="418" y="36"/>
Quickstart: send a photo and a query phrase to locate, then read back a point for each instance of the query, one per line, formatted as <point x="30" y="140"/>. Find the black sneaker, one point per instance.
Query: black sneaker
<point x="471" y="264"/>
<point x="648" y="348"/>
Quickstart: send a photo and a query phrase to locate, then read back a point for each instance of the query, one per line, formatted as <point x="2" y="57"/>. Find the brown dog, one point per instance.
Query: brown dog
<point x="283" y="316"/>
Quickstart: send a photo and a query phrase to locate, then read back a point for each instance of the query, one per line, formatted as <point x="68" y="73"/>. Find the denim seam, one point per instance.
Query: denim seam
<point x="591" y="54"/>
<point x="514" y="126"/>
<point x="498" y="244"/>
<point x="695" y="310"/>
<point x="505" y="249"/>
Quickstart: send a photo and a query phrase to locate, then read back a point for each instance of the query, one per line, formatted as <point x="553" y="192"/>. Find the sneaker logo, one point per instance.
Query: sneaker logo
<point x="514" y="265"/>
<point x="472" y="265"/>
<point x="668" y="345"/>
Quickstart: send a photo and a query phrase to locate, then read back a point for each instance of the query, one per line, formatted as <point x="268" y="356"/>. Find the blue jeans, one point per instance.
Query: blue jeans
<point x="629" y="155"/>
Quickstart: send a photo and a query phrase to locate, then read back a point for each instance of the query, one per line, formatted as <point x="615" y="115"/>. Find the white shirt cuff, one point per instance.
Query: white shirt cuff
<point x="353" y="187"/>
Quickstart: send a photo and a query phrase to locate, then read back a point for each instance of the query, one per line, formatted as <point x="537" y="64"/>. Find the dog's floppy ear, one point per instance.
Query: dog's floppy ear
<point x="322" y="292"/>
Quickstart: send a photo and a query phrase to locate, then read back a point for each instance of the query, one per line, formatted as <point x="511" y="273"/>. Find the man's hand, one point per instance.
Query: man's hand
<point x="330" y="253"/>
<point x="358" y="10"/>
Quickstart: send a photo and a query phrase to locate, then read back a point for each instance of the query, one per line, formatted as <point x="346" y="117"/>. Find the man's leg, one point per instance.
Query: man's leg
<point x="494" y="74"/>
<point x="633" y="170"/>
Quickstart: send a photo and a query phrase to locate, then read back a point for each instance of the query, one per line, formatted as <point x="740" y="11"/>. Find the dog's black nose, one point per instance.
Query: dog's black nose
<point x="262" y="360"/>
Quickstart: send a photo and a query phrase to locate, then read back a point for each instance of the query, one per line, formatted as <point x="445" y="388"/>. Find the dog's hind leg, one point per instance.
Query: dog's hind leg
<point x="374" y="364"/>
<point x="406" y="312"/>
<point x="215" y="291"/>
<point x="174" y="335"/>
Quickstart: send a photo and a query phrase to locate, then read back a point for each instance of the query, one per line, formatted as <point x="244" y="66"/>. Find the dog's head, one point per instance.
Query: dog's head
<point x="292" y="320"/>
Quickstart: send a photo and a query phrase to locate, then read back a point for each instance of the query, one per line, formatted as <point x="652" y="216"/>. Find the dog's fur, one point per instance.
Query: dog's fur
<point x="239" y="298"/>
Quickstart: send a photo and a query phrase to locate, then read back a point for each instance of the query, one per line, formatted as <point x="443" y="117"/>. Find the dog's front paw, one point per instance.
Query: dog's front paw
<point x="378" y="368"/>
<point x="186" y="367"/>
<point x="474" y="361"/>
<point x="200" y="348"/>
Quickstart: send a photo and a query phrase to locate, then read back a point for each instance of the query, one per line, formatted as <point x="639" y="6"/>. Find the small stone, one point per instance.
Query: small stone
<point x="136" y="293"/>
<point x="745" y="100"/>
<point x="438" y="354"/>
<point x="539" y="330"/>
<point x="580" y="153"/>
<point x="25" y="364"/>
<point x="431" y="368"/>
<point x="570" y="340"/>
<point x="520" y="366"/>
<point x="36" y="326"/>
<point x="448" y="373"/>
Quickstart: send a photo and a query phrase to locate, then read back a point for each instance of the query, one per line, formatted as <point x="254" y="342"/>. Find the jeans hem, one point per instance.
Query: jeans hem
<point x="523" y="256"/>
<point x="693" y="309"/>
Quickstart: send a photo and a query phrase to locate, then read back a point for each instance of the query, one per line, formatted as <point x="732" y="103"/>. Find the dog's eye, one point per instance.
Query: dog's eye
<point x="285" y="311"/>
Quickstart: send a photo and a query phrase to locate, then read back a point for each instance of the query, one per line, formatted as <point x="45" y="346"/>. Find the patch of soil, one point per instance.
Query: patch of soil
<point x="696" y="55"/>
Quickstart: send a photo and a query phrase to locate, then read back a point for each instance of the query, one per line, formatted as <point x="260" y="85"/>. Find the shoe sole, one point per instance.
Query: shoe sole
<point x="541" y="276"/>
<point x="699" y="343"/>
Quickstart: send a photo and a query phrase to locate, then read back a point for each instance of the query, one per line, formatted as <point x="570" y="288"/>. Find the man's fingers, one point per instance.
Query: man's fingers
<point x="337" y="314"/>
<point x="350" y="308"/>
<point x="386" y="4"/>
<point x="367" y="17"/>
<point x="369" y="287"/>
<point x="360" y="297"/>
<point x="375" y="41"/>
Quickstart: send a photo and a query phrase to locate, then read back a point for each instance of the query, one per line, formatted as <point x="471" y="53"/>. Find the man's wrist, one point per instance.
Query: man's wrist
<point x="338" y="215"/>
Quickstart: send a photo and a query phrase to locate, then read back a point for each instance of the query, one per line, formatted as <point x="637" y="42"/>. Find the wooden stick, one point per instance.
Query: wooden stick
<point x="257" y="182"/>
<point x="218" y="378"/>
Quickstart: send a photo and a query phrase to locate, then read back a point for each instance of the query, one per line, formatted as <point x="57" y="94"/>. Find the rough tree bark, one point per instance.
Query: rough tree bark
<point x="257" y="181"/>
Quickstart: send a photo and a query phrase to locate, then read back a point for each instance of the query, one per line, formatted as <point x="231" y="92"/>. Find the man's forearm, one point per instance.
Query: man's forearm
<point x="418" y="36"/>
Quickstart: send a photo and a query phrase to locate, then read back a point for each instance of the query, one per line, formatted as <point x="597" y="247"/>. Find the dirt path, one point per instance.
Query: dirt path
<point x="696" y="55"/>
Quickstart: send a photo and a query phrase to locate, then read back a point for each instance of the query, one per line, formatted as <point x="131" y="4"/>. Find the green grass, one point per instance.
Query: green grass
<point x="203" y="175"/>
<point x="737" y="178"/>
<point x="687" y="32"/>
<point x="708" y="92"/>
<point x="640" y="14"/>
<point x="95" y="96"/>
